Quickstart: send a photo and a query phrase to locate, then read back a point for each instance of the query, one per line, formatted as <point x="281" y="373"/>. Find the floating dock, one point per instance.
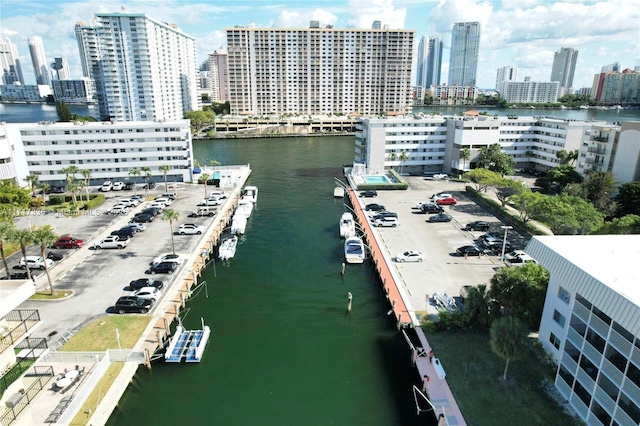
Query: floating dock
<point x="187" y="344"/>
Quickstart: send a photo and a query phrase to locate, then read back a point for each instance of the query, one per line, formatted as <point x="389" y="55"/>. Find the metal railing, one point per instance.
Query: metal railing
<point x="43" y="376"/>
<point x="26" y="320"/>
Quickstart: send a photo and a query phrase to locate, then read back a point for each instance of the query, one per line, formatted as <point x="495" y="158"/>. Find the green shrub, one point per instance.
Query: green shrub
<point x="428" y="325"/>
<point x="453" y="320"/>
<point x="94" y="201"/>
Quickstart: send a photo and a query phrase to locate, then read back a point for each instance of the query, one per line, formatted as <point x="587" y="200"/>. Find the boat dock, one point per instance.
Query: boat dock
<point x="187" y="344"/>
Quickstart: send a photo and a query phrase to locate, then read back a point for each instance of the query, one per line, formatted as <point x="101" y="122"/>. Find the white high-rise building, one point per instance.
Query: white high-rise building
<point x="319" y="70"/>
<point x="218" y="77"/>
<point x="10" y="63"/>
<point x="429" y="63"/>
<point x="39" y="60"/>
<point x="60" y="69"/>
<point x="465" y="46"/>
<point x="143" y="69"/>
<point x="507" y="73"/>
<point x="529" y="91"/>
<point x="564" y="66"/>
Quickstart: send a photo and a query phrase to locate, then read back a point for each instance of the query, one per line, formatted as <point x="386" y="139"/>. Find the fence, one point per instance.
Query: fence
<point x="26" y="319"/>
<point x="42" y="377"/>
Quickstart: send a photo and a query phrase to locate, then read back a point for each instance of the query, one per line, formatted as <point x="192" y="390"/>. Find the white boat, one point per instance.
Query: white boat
<point x="227" y="248"/>
<point x="338" y="192"/>
<point x="238" y="224"/>
<point x="245" y="207"/>
<point x="354" y="250"/>
<point x="250" y="193"/>
<point x="347" y="225"/>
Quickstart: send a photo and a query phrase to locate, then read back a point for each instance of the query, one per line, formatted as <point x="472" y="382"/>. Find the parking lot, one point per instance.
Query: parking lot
<point x="443" y="271"/>
<point x="98" y="278"/>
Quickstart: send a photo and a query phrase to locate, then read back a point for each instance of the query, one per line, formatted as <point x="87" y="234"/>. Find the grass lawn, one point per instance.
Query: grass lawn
<point x="97" y="394"/>
<point x="57" y="294"/>
<point x="101" y="334"/>
<point x="473" y="373"/>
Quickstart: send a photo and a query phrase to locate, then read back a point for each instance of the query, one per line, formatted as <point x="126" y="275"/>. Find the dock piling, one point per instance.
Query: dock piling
<point x="349" y="300"/>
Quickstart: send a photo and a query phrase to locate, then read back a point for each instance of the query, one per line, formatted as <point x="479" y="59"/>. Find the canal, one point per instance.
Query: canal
<point x="283" y="350"/>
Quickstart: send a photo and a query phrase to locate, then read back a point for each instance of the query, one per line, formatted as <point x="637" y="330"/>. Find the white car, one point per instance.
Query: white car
<point x="440" y="196"/>
<point x="119" y="209"/>
<point x="210" y="203"/>
<point x="410" y="256"/>
<point x="139" y="227"/>
<point x="35" y="262"/>
<point x="163" y="200"/>
<point x="151" y="293"/>
<point x="518" y="258"/>
<point x="168" y="258"/>
<point x="156" y="205"/>
<point x="127" y="202"/>
<point x="118" y="186"/>
<point x="106" y="186"/>
<point x="441" y="176"/>
<point x="112" y="241"/>
<point x="190" y="229"/>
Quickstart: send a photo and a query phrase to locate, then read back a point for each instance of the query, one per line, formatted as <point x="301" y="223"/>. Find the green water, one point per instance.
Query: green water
<point x="283" y="351"/>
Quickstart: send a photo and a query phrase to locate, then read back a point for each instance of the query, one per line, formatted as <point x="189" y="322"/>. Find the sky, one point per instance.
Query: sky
<point x="522" y="33"/>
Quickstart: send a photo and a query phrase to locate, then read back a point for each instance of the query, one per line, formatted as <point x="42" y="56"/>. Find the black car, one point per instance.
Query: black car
<point x="469" y="251"/>
<point x="162" y="268"/>
<point x="145" y="282"/>
<point x="478" y="225"/>
<point x="54" y="256"/>
<point x="383" y="214"/>
<point x="150" y="185"/>
<point x="133" y="304"/>
<point x="431" y="208"/>
<point x="125" y="232"/>
<point x="368" y="194"/>
<point x="129" y="186"/>
<point x="152" y="211"/>
<point x="442" y="217"/>
<point x="374" y="207"/>
<point x="143" y="218"/>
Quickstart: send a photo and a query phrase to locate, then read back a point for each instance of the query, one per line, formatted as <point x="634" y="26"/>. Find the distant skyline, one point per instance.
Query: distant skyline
<point x="520" y="33"/>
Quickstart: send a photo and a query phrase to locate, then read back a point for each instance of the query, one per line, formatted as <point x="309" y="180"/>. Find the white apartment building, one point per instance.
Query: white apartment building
<point x="26" y="92"/>
<point x="434" y="143"/>
<point x="598" y="149"/>
<point x="109" y="149"/>
<point x="39" y="60"/>
<point x="10" y="66"/>
<point x="626" y="164"/>
<point x="218" y="76"/>
<point x="308" y="71"/>
<point x="507" y="73"/>
<point x="529" y="91"/>
<point x="591" y="323"/>
<point x="144" y="69"/>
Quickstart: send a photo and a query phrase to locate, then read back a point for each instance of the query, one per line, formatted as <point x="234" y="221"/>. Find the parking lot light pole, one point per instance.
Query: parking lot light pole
<point x="504" y="242"/>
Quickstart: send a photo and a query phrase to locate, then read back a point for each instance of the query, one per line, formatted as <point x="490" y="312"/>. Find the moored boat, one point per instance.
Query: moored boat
<point x="354" y="250"/>
<point x="245" y="207"/>
<point x="250" y="193"/>
<point x="238" y="224"/>
<point x="338" y="192"/>
<point x="227" y="248"/>
<point x="347" y="225"/>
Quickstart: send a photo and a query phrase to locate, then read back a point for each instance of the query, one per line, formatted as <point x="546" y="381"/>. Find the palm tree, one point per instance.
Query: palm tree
<point x="403" y="157"/>
<point x="477" y="305"/>
<point x="45" y="187"/>
<point x="147" y="175"/>
<point x="44" y="237"/>
<point x="134" y="172"/>
<point x="6" y="226"/>
<point x="508" y="339"/>
<point x="214" y="163"/>
<point x="86" y="175"/>
<point x="393" y="156"/>
<point x="22" y="237"/>
<point x="465" y="155"/>
<point x="205" y="177"/>
<point x="70" y="173"/>
<point x="171" y="215"/>
<point x="74" y="186"/>
<point x="165" y="169"/>
<point x="32" y="180"/>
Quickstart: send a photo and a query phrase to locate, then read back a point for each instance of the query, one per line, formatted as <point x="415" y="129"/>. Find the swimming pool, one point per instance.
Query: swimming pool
<point x="376" y="179"/>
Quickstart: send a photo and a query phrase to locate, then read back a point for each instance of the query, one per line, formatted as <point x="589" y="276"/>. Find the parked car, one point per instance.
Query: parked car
<point x="410" y="256"/>
<point x="518" y="258"/>
<point x="143" y="218"/>
<point x="469" y="251"/>
<point x="477" y="225"/>
<point x="138" y="198"/>
<point x="138" y="226"/>
<point x="203" y="211"/>
<point x="431" y="208"/>
<point x="152" y="210"/>
<point x="133" y="304"/>
<point x="145" y="282"/>
<point x="119" y="209"/>
<point x="67" y="242"/>
<point x="209" y="203"/>
<point x="382" y="214"/>
<point x="441" y="217"/>
<point x="169" y="195"/>
<point x="168" y="258"/>
<point x="163" y="200"/>
<point x="125" y="232"/>
<point x="151" y="293"/>
<point x="189" y="229"/>
<point x="129" y="202"/>
<point x="150" y="185"/>
<point x="106" y="186"/>
<point x="112" y="241"/>
<point x="35" y="262"/>
<point x="56" y="190"/>
<point x="156" y="205"/>
<point x="368" y="194"/>
<point x="162" y="268"/>
<point x="374" y="207"/>
<point x="447" y="201"/>
<point x="56" y="257"/>
<point x="387" y="221"/>
<point x="129" y="186"/>
<point x="118" y="186"/>
<point x="441" y="176"/>
<point x="436" y="197"/>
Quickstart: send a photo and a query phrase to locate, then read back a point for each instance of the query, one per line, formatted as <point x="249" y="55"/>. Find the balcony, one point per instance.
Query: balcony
<point x="597" y="150"/>
<point x="19" y="322"/>
<point x="599" y="138"/>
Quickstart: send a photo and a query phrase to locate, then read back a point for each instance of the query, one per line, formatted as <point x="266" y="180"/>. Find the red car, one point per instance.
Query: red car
<point x="447" y="201"/>
<point x="67" y="242"/>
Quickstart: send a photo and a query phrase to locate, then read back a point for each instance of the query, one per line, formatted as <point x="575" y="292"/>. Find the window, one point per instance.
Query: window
<point x="559" y="318"/>
<point x="554" y="341"/>
<point x="564" y="295"/>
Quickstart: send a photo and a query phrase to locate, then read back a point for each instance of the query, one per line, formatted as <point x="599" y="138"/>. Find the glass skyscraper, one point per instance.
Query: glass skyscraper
<point x="463" y="62"/>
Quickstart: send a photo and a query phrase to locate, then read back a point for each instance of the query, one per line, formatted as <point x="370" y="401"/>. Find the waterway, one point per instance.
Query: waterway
<point x="283" y="350"/>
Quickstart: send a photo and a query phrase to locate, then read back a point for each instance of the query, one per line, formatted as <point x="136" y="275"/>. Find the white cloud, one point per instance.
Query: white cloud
<point x="295" y="19"/>
<point x="449" y="12"/>
<point x="364" y="12"/>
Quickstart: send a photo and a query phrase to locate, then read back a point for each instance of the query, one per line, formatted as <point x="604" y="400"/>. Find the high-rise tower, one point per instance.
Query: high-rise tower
<point x="564" y="66"/>
<point x="507" y="73"/>
<point x="218" y="78"/>
<point x="60" y="68"/>
<point x="10" y="63"/>
<point x="39" y="60"/>
<point x="465" y="45"/>
<point x="429" y="61"/>
<point x="144" y="69"/>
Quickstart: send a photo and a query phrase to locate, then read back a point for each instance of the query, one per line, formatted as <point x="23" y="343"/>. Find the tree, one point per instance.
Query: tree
<point x="521" y="291"/>
<point x="563" y="175"/>
<point x="22" y="237"/>
<point x="505" y="188"/>
<point x="170" y="216"/>
<point x="135" y="173"/>
<point x="508" y="340"/>
<point x="86" y="175"/>
<point x="214" y="163"/>
<point x="147" y="174"/>
<point x="45" y="188"/>
<point x="525" y="203"/>
<point x="483" y="178"/>
<point x="403" y="157"/>
<point x="567" y="215"/>
<point x="628" y="199"/>
<point x="6" y="227"/>
<point x="32" y="180"/>
<point x="11" y="194"/>
<point x="165" y="168"/>
<point x="393" y="157"/>
<point x="479" y="306"/>
<point x="567" y="157"/>
<point x="44" y="237"/>
<point x="492" y="158"/>
<point x="204" y="178"/>
<point x="200" y="119"/>
<point x="64" y="114"/>
<point x="70" y="174"/>
<point x="464" y="155"/>
<point x="629" y="224"/>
